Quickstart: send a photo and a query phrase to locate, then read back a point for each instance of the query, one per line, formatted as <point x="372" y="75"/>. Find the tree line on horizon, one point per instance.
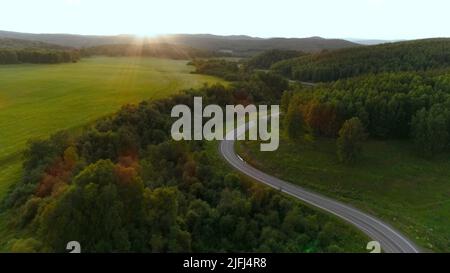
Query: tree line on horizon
<point x="45" y="54"/>
<point x="38" y="56"/>
<point x="160" y="50"/>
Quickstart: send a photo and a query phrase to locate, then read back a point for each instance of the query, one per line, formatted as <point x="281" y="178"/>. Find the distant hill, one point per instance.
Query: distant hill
<point x="246" y="46"/>
<point x="417" y="55"/>
<point x="70" y="40"/>
<point x="371" y="41"/>
<point x="8" y="43"/>
<point x="238" y="45"/>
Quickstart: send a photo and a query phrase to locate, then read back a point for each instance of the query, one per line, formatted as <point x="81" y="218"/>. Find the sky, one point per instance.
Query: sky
<point x="365" y="19"/>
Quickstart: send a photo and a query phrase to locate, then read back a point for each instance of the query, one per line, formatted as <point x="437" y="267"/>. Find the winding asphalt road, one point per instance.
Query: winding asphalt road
<point x="391" y="240"/>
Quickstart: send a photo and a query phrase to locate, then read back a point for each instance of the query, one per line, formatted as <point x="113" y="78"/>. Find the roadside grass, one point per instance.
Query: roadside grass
<point x="38" y="100"/>
<point x="354" y="240"/>
<point x="389" y="181"/>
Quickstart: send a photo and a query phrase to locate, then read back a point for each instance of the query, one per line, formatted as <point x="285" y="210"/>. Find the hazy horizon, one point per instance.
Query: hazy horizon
<point x="347" y="19"/>
<point x="214" y="34"/>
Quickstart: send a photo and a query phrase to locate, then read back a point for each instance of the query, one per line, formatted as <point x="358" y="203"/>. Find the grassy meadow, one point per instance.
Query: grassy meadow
<point x="390" y="181"/>
<point x="38" y="100"/>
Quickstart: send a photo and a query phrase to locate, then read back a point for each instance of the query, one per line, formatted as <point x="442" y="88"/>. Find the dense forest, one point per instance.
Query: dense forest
<point x="419" y="55"/>
<point x="38" y="56"/>
<point x="240" y="70"/>
<point x="13" y="52"/>
<point x="390" y="105"/>
<point x="162" y="50"/>
<point x="51" y="56"/>
<point x="228" y="70"/>
<point x="266" y="59"/>
<point x="122" y="185"/>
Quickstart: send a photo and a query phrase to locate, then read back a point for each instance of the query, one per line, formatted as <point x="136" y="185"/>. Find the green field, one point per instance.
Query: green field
<point x="38" y="100"/>
<point x="390" y="181"/>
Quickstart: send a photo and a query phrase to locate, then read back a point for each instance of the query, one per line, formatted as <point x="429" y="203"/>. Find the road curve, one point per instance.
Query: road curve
<point x="391" y="240"/>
